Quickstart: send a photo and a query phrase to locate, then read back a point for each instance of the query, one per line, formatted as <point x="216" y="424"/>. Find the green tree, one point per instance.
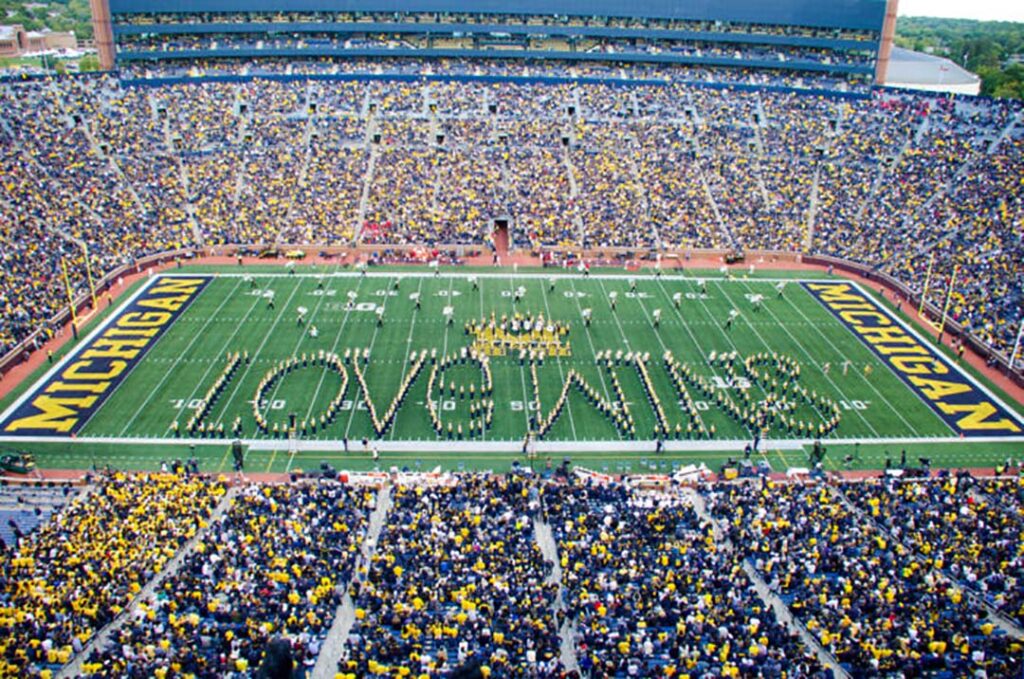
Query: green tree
<point x="83" y="30"/>
<point x="1010" y="90"/>
<point x="980" y="46"/>
<point x="90" y="62"/>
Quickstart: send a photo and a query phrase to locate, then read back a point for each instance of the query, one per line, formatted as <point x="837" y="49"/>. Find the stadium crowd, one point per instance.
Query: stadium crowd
<point x="654" y="595"/>
<point x="425" y="17"/>
<point x="635" y="584"/>
<point x="79" y="570"/>
<point x="875" y="605"/>
<point x="971" y="530"/>
<point x="458" y="580"/>
<point x="126" y="170"/>
<point x="275" y="565"/>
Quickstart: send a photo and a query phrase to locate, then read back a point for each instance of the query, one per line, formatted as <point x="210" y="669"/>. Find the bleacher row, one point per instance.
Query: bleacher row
<point x="887" y="181"/>
<point x="22" y="510"/>
<point x="520" y="67"/>
<point x="888" y="577"/>
<point x="223" y="44"/>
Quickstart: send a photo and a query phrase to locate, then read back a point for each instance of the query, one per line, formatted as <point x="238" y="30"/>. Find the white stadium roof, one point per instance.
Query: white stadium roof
<point x="920" y="71"/>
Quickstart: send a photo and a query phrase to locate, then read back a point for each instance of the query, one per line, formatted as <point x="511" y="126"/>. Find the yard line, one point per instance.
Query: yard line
<point x="686" y="325"/>
<point x="295" y="351"/>
<point x="657" y="334"/>
<point x="483" y="430"/>
<point x="618" y="322"/>
<point x="334" y="348"/>
<point x="323" y="373"/>
<point x="801" y="346"/>
<point x="615" y="315"/>
<point x="704" y="360"/>
<point x="167" y="373"/>
<point x="355" y="401"/>
<point x="522" y="374"/>
<point x="444" y="345"/>
<point x="480" y="290"/>
<point x="252" y="358"/>
<point x="688" y="331"/>
<point x="859" y="374"/>
<point x="590" y="340"/>
<point x="558" y="360"/>
<point x="238" y="327"/>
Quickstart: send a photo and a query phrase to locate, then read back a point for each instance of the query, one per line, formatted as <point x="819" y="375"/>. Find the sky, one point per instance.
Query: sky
<point x="984" y="10"/>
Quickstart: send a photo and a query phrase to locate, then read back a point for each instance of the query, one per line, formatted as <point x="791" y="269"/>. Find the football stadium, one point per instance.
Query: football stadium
<point x="352" y="338"/>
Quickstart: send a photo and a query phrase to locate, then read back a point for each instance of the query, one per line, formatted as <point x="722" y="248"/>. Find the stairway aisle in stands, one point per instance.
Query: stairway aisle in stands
<point x="345" y="616"/>
<point x="770" y="599"/>
<point x="5" y="125"/>
<point x="883" y="171"/>
<point x="567" y="628"/>
<point x="371" y="168"/>
<point x="100" y="639"/>
<point x="723" y="228"/>
<point x="574" y="196"/>
<point x="757" y="152"/>
<point x="812" y="208"/>
<point x="286" y="226"/>
<point x="106" y="155"/>
<point x="634" y="151"/>
<point x="189" y="207"/>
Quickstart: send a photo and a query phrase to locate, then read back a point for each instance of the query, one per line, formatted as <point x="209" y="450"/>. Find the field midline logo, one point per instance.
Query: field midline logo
<point x="63" y="403"/>
<point x="950" y="392"/>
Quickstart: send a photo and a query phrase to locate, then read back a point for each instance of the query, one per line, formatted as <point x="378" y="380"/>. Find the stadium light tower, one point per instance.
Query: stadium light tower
<point x="102" y="32"/>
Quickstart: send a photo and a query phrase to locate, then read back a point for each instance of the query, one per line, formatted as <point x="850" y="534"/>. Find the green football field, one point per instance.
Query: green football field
<point x="813" y="376"/>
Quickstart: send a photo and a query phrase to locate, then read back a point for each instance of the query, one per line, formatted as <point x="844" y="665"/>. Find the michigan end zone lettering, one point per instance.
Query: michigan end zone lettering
<point x="954" y="396"/>
<point x="63" y="402"/>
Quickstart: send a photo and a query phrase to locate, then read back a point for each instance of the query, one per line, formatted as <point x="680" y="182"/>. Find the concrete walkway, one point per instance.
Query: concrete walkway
<point x="567" y="629"/>
<point x="345" y="616"/>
